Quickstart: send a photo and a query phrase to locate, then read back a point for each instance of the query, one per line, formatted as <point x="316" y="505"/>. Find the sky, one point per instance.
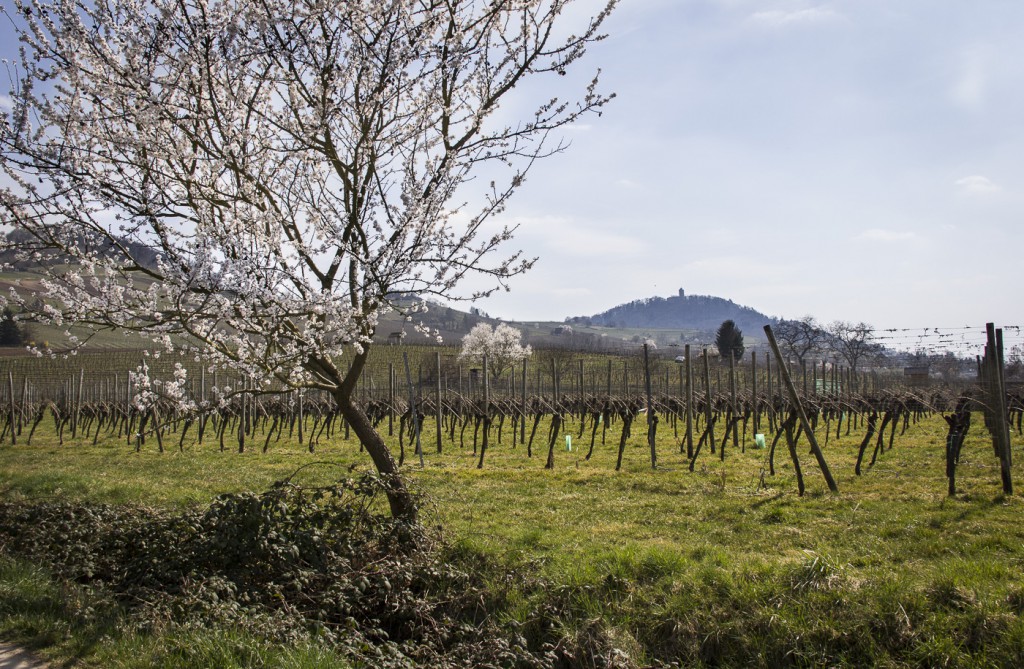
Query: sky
<point x="858" y="160"/>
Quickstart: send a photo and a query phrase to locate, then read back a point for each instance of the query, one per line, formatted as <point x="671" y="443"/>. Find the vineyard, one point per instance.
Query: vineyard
<point x="708" y="406"/>
<point x="614" y="510"/>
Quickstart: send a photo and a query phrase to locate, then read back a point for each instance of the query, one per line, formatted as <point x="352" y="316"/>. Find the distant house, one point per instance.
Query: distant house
<point x="562" y="330"/>
<point x="395" y="338"/>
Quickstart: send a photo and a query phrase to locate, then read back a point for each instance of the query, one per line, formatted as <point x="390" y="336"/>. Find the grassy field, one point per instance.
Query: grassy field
<point x="724" y="565"/>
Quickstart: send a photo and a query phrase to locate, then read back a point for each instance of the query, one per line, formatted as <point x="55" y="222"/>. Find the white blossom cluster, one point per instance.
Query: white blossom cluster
<point x="502" y="345"/>
<point x="259" y="181"/>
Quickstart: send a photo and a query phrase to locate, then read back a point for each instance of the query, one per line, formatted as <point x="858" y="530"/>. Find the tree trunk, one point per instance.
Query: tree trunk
<point x="403" y="507"/>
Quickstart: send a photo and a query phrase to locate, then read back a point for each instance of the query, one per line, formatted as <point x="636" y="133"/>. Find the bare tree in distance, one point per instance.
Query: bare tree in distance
<point x="852" y="342"/>
<point x="294" y="165"/>
<point x="800" y="338"/>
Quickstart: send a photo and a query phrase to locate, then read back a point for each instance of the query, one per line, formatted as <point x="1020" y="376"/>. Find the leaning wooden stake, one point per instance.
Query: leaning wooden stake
<point x="795" y="399"/>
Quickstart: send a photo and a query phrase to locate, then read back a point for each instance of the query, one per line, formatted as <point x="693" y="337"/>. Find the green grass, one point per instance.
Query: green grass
<point x="707" y="566"/>
<point x="62" y="622"/>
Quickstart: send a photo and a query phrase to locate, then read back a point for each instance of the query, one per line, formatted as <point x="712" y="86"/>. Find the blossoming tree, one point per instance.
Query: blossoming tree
<point x="503" y="346"/>
<point x="289" y="166"/>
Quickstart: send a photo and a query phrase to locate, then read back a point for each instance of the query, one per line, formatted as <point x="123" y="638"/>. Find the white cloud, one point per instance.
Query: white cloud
<point x="977" y="184"/>
<point x="565" y="237"/>
<point x="6" y="102"/>
<point x="778" y="18"/>
<point x="885" y="236"/>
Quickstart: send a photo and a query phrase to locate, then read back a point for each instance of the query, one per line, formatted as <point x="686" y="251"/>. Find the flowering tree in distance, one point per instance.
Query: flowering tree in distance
<point x="290" y="167"/>
<point x="502" y="345"/>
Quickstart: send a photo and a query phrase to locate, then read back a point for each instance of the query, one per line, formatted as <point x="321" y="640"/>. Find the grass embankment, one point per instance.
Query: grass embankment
<point x="632" y="567"/>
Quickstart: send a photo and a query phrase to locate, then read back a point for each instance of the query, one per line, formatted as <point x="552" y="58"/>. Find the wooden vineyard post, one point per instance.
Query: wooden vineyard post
<point x="995" y="414"/>
<point x="486" y="411"/>
<point x="555" y="387"/>
<point x="522" y="422"/>
<point x="556" y="418"/>
<point x="795" y="399"/>
<point x="675" y="414"/>
<point x="24" y="402"/>
<point x="708" y="412"/>
<point x="732" y="404"/>
<point x="1004" y="425"/>
<point x="582" y="396"/>
<point x="439" y="407"/>
<point x="391" y="399"/>
<point x="243" y="422"/>
<point x="77" y="400"/>
<point x="302" y="416"/>
<point x="129" y="418"/>
<point x="10" y="384"/>
<point x="511" y="403"/>
<point x="202" y="403"/>
<point x="606" y="412"/>
<point x="652" y="420"/>
<point x="689" y="404"/>
<point x="753" y="392"/>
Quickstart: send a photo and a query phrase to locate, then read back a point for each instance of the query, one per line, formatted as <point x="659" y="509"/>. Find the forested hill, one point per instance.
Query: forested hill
<point x="698" y="312"/>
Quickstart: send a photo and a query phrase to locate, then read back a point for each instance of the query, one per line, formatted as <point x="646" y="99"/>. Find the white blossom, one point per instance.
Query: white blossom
<point x="263" y="180"/>
<point x="502" y="345"/>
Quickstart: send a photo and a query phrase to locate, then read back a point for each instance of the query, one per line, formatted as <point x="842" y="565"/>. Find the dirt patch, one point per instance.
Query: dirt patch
<point x="15" y="657"/>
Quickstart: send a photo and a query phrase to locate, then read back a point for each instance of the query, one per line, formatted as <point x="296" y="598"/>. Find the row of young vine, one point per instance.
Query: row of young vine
<point x="710" y="407"/>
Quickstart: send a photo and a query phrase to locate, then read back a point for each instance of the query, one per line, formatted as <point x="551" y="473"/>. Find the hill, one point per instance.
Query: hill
<point x="691" y="312"/>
